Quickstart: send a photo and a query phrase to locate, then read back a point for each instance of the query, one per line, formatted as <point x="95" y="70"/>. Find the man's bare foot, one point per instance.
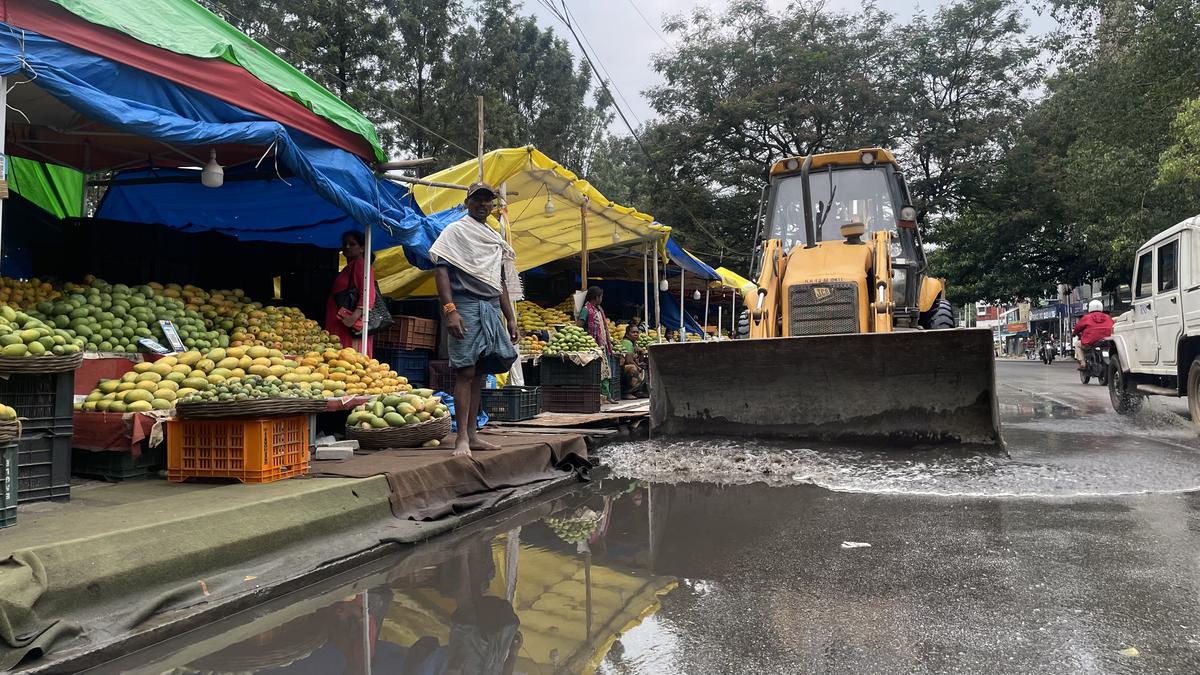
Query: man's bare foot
<point x="462" y="448"/>
<point x="479" y="444"/>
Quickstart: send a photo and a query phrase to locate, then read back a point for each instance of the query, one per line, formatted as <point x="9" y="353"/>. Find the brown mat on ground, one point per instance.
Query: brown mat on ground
<point x="430" y="484"/>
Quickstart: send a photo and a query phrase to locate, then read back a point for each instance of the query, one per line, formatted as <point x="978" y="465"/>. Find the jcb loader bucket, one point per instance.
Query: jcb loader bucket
<point x="906" y="388"/>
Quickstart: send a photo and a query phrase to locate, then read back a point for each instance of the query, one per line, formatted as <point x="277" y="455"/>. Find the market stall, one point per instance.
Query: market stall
<point x="189" y="124"/>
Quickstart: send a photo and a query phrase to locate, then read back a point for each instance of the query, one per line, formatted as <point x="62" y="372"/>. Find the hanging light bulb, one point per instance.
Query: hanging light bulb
<point x="662" y="285"/>
<point x="549" y="206"/>
<point x="616" y="236"/>
<point x="695" y="295"/>
<point x="213" y="175"/>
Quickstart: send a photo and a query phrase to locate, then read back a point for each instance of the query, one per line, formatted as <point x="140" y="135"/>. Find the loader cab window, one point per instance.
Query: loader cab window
<point x="839" y="197"/>
<point x="1144" y="283"/>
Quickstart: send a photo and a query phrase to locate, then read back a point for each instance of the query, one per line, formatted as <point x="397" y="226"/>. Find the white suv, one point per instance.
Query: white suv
<point x="1155" y="345"/>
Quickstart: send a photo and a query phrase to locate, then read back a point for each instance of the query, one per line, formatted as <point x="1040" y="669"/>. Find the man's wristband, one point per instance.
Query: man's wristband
<point x="449" y="308"/>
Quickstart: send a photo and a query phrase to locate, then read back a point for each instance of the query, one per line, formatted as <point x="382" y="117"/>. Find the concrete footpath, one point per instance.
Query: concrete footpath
<point x="127" y="564"/>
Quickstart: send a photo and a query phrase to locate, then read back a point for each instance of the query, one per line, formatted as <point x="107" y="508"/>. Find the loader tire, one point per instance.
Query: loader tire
<point x="940" y="316"/>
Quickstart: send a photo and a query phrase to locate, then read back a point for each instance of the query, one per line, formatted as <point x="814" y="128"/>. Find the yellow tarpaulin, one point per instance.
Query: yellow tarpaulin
<point x="539" y="234"/>
<point x="732" y="279"/>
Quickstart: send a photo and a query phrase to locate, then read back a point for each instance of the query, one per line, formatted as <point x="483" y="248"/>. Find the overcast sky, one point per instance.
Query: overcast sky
<point x="624" y="42"/>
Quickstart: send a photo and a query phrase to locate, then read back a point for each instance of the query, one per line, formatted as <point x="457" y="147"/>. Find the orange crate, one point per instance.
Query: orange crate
<point x="409" y="332"/>
<point x="252" y="451"/>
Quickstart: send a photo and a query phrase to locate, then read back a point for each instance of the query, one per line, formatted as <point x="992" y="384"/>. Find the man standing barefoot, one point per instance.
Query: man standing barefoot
<point x="473" y="264"/>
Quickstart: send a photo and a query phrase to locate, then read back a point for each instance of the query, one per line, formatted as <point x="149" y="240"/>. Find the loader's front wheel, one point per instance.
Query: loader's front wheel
<point x="941" y="315"/>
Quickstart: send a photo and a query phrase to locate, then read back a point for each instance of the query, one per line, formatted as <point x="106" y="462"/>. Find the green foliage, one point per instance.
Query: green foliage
<point x="415" y="67"/>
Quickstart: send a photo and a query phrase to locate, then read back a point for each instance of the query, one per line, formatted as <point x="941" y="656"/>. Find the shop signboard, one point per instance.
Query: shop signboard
<point x="1077" y="309"/>
<point x="1020" y="327"/>
<point x="1045" y="313"/>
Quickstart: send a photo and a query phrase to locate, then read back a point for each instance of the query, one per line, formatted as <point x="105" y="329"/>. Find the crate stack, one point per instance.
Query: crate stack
<point x="406" y="346"/>
<point x="569" y="387"/>
<point x="45" y="404"/>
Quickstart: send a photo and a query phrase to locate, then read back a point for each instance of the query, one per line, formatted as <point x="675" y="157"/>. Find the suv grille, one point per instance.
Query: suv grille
<point x="823" y="308"/>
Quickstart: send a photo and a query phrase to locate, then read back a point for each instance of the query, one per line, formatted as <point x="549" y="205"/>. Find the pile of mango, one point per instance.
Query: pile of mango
<point x="531" y="317"/>
<point x="398" y="410"/>
<point x="530" y="345"/>
<point x="249" y="323"/>
<point x="242" y="373"/>
<point x="7" y="413"/>
<point x="25" y="335"/>
<point x="24" y="294"/>
<point x="570" y="339"/>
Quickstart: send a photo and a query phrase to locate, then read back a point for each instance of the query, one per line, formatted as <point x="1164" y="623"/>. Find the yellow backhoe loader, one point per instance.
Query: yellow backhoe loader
<point x="849" y="338"/>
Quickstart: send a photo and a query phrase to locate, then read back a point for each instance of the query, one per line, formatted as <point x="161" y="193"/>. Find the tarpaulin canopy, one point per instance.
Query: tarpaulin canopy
<point x="251" y="207"/>
<point x="57" y="86"/>
<point x="56" y="189"/>
<point x="183" y="42"/>
<point x="684" y="258"/>
<point x="732" y="279"/>
<point x="540" y="234"/>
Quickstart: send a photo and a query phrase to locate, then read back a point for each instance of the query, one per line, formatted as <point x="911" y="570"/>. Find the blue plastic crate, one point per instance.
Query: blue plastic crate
<point x="410" y="363"/>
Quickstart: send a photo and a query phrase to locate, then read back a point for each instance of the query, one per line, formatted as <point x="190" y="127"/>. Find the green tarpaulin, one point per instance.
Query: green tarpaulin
<point x="184" y="27"/>
<point x="57" y="189"/>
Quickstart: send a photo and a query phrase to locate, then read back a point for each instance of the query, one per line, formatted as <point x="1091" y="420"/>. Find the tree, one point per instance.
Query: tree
<point x="969" y="71"/>
<point x="414" y="67"/>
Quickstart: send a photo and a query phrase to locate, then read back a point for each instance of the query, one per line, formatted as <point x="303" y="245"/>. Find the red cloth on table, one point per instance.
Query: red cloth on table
<point x="350" y="277"/>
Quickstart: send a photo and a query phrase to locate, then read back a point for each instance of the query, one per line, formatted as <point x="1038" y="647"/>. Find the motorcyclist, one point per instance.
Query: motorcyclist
<point x="1092" y="328"/>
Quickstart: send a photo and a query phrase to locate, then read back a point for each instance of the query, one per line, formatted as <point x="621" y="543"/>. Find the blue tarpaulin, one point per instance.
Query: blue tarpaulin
<point x="135" y="102"/>
<point x="690" y="262"/>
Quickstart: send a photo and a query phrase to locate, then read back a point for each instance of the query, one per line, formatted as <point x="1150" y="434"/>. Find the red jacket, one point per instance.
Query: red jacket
<point x="1093" y="327"/>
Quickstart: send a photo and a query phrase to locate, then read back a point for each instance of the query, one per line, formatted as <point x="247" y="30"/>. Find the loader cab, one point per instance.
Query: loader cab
<point x="862" y="186"/>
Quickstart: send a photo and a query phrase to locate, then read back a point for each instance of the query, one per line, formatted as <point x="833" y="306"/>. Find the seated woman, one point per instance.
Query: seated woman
<point x="633" y="365"/>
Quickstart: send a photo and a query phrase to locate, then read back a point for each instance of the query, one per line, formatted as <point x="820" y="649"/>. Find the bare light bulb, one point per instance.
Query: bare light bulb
<point x="695" y="295"/>
<point x="213" y="175"/>
<point x="549" y="210"/>
<point x="662" y="285"/>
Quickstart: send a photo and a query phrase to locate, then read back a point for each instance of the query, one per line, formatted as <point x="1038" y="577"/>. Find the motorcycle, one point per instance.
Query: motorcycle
<point x="1046" y="353"/>
<point x="1096" y="362"/>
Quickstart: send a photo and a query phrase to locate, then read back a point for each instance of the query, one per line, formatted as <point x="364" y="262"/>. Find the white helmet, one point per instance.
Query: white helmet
<point x="1095" y="306"/>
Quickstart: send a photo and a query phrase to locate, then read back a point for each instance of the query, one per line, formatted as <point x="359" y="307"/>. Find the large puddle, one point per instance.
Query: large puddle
<point x="627" y="577"/>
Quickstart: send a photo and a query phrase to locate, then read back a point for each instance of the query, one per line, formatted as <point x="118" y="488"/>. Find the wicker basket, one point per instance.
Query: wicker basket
<point x="263" y="407"/>
<point x="10" y="431"/>
<point x="411" y="436"/>
<point x="40" y="364"/>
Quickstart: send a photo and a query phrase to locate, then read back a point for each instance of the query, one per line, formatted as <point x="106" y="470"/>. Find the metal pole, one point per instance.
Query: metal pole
<point x="657" y="298"/>
<point x="479" y="100"/>
<point x="733" y="315"/>
<point x="682" y="329"/>
<point x="583" y="254"/>
<point x="705" y="327"/>
<point x="720" y="318"/>
<point x="3" y="157"/>
<point x="646" y="285"/>
<point x="367" y="287"/>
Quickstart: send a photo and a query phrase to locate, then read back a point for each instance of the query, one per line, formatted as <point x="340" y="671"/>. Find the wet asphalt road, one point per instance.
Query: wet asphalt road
<point x="1077" y="553"/>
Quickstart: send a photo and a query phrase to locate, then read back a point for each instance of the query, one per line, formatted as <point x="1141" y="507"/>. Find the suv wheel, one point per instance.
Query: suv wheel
<point x="1119" y="390"/>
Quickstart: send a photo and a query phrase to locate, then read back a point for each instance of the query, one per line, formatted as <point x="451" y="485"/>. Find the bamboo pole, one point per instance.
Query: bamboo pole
<point x="367" y="287"/>
<point x="400" y="178"/>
